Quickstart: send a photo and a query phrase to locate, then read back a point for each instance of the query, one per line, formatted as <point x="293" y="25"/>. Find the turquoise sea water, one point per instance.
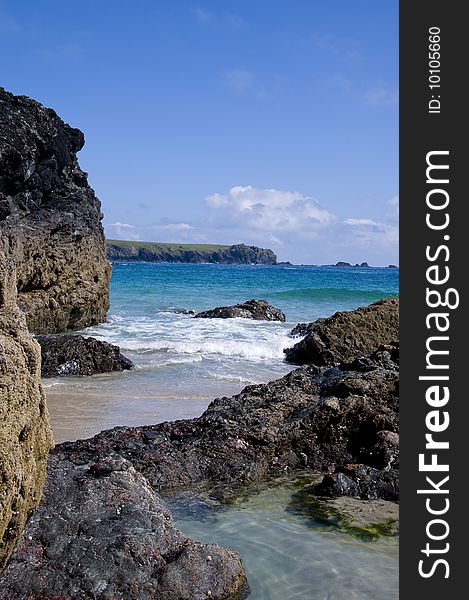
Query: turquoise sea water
<point x="182" y="363"/>
<point x="302" y="292"/>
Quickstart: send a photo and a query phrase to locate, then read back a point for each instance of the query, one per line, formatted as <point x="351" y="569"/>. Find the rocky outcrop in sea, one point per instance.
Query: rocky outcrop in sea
<point x="189" y="253"/>
<point x="76" y="355"/>
<point x="342" y="264"/>
<point x="345" y="335"/>
<point x="258" y="310"/>
<point x="50" y="219"/>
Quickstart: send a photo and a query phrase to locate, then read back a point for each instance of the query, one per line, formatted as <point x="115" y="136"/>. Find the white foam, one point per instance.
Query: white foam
<point x="183" y="335"/>
<point x="231" y="378"/>
<point x="158" y="364"/>
<point x="51" y="383"/>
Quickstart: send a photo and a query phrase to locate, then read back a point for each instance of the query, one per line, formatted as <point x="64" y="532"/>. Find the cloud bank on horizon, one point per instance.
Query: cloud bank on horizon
<point x="297" y="227"/>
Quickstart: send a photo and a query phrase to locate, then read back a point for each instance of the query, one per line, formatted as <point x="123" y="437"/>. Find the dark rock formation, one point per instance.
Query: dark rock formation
<point x="77" y="355"/>
<point x="393" y="267"/>
<point x="341" y="263"/>
<point x="189" y="253"/>
<point x="360" y="481"/>
<point x="25" y="435"/>
<point x="385" y="451"/>
<point x="103" y="533"/>
<point x="50" y="219"/>
<point x="347" y="334"/>
<point x="259" y="310"/>
<point x="313" y="417"/>
<point x="301" y="330"/>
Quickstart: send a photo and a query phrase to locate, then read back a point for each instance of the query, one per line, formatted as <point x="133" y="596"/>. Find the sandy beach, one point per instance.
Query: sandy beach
<point x="77" y="416"/>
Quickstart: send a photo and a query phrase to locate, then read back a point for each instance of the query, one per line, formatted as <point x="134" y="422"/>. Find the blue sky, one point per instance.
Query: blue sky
<point x="267" y="122"/>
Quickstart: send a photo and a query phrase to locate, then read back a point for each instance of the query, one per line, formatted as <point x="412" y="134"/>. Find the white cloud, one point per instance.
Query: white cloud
<point x="238" y="79"/>
<point x="124" y="231"/>
<point x="122" y="225"/>
<point x="269" y="210"/>
<point x="360" y="222"/>
<point x="173" y="227"/>
<point x="369" y="230"/>
<point x="394" y="201"/>
<point x="276" y="240"/>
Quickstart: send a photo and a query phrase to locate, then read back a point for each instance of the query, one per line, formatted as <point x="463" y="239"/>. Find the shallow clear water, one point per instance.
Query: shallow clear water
<point x="290" y="557"/>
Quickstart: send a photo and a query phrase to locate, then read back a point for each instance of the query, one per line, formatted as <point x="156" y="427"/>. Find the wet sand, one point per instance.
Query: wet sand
<point x="81" y="415"/>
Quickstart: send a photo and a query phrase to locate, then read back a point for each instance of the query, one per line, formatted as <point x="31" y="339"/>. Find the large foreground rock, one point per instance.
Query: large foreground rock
<point x="25" y="435"/>
<point x="50" y="219"/>
<point x="77" y="355"/>
<point x="259" y="310"/>
<point x="346" y="335"/>
<point x="102" y="532"/>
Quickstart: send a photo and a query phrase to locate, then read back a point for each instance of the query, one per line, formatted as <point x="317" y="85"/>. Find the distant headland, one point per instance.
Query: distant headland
<point x="118" y="250"/>
<point x="236" y="254"/>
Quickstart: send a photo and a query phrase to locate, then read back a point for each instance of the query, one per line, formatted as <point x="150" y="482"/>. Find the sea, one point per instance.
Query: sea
<point x="182" y="363"/>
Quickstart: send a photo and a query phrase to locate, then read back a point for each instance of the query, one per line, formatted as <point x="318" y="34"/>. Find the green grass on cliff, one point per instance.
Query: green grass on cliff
<point x="168" y="246"/>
